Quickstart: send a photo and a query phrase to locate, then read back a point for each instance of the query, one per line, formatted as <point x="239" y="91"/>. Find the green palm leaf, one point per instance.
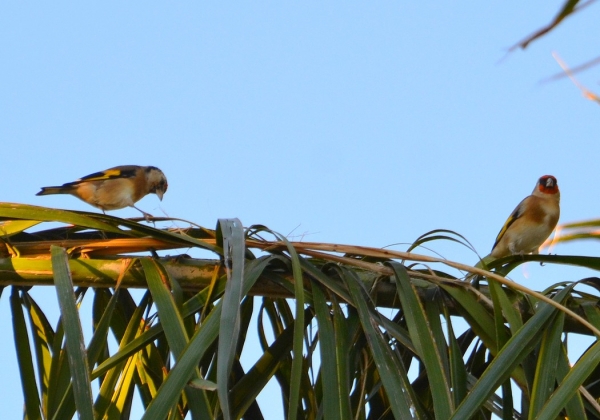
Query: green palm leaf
<point x="367" y="334"/>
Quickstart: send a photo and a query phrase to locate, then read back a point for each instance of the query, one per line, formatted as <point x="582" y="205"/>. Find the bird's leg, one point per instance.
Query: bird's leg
<point x="102" y="234"/>
<point x="147" y="216"/>
<point x="537" y="252"/>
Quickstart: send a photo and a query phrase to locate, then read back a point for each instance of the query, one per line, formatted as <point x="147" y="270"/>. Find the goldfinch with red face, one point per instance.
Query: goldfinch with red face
<point x="531" y="222"/>
<point x="115" y="188"/>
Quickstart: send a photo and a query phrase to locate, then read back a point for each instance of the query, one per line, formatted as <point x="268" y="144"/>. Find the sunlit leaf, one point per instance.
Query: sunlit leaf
<point x="74" y="336"/>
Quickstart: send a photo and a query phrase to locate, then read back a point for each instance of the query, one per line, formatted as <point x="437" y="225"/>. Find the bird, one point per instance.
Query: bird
<point x="532" y="222"/>
<point x="115" y="188"/>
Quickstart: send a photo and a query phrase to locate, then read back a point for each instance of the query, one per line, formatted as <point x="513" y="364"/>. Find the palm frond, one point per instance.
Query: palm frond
<point x="446" y="349"/>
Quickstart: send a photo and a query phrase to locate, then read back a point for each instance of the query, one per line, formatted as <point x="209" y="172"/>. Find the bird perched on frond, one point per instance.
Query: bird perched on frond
<point x="115" y="188"/>
<point x="532" y="222"/>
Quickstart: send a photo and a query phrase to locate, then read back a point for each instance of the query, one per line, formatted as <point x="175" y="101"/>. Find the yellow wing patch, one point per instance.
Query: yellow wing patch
<point x="511" y="219"/>
<point x="109" y="174"/>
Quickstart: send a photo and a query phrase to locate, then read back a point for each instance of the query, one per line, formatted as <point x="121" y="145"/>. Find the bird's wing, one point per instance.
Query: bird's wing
<point x="112" y="173"/>
<point x="517" y="213"/>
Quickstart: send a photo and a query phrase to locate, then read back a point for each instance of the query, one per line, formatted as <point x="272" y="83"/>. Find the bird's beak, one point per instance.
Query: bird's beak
<point x="160" y="194"/>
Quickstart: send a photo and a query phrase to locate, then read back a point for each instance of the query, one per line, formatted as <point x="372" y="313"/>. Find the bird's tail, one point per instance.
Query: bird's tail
<point x="482" y="263"/>
<point x="54" y="190"/>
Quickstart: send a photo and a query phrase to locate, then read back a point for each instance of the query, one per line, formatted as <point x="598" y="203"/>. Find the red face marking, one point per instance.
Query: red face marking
<point x="548" y="185"/>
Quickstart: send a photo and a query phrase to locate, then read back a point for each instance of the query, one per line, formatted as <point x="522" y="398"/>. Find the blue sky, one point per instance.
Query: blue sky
<point x="367" y="123"/>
